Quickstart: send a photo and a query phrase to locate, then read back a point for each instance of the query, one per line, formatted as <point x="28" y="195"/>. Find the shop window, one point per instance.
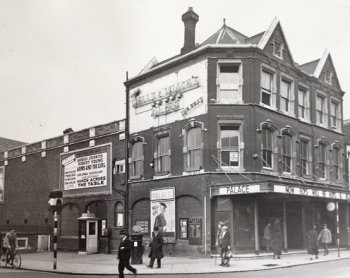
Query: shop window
<point x="119" y="214"/>
<point x="230" y="146"/>
<point x="305" y="157"/>
<point x="193" y="146"/>
<point x="278" y="48"/>
<point x="287" y="96"/>
<point x="321" y="110"/>
<point x="268" y="94"/>
<point x="335" y="115"/>
<point x="229" y="82"/>
<point x="136" y="158"/>
<point x="304" y="104"/>
<point x="162" y="154"/>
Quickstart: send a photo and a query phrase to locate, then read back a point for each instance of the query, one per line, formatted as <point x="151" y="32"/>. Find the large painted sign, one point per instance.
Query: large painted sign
<point x="163" y="212"/>
<point x="176" y="96"/>
<point x="86" y="171"/>
<point x="2" y="183"/>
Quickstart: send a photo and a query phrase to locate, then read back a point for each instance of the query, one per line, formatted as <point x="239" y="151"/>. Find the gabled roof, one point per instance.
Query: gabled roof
<point x="255" y="39"/>
<point x="226" y="35"/>
<point x="6" y="144"/>
<point x="309" y="67"/>
<point x="321" y="64"/>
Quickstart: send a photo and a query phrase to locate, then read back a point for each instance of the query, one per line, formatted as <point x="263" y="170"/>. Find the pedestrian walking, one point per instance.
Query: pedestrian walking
<point x="124" y="254"/>
<point x="325" y="237"/>
<point x="276" y="239"/>
<point x="267" y="237"/>
<point x="225" y="241"/>
<point x="218" y="237"/>
<point x="156" y="248"/>
<point x="312" y="242"/>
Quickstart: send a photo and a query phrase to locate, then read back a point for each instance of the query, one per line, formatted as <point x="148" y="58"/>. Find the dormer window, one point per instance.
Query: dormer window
<point x="278" y="48"/>
<point x="328" y="76"/>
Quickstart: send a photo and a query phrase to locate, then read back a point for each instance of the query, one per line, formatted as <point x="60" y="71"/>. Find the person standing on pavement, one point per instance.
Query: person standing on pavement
<point x="218" y="237"/>
<point x="267" y="237"/>
<point x="225" y="241"/>
<point x="124" y="254"/>
<point x="312" y="242"/>
<point x="156" y="248"/>
<point x="325" y="237"/>
<point x="276" y="239"/>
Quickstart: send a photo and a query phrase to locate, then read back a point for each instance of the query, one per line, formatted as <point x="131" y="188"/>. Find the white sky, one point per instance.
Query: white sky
<point x="63" y="62"/>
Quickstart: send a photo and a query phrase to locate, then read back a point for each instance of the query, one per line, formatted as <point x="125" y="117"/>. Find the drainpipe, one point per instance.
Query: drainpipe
<point x="127" y="91"/>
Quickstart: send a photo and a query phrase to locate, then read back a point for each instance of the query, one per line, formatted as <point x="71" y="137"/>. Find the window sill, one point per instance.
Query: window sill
<point x="268" y="106"/>
<point x="135" y="177"/>
<point x="228" y="101"/>
<point x="161" y="176"/>
<point x="233" y="169"/>
<point x="192" y="172"/>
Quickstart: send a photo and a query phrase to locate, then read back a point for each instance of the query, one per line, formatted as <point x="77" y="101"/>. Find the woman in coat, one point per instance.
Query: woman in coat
<point x="312" y="242"/>
<point x="156" y="248"/>
<point x="225" y="246"/>
<point x="276" y="239"/>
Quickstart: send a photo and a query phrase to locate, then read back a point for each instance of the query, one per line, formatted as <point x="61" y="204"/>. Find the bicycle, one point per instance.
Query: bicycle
<point x="5" y="260"/>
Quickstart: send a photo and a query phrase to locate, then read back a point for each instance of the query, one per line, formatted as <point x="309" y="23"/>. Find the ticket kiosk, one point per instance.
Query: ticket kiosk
<point x="88" y="233"/>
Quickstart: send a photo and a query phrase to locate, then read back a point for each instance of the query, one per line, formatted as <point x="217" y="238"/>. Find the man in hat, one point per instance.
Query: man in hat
<point x="225" y="246"/>
<point x="160" y="221"/>
<point x="156" y="248"/>
<point x="124" y="254"/>
<point x="325" y="237"/>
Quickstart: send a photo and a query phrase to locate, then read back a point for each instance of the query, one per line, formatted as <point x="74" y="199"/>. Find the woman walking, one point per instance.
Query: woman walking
<point x="312" y="242"/>
<point x="276" y="239"/>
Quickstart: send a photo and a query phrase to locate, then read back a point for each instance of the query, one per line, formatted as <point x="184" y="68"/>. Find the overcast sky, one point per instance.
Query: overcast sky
<point x="63" y="62"/>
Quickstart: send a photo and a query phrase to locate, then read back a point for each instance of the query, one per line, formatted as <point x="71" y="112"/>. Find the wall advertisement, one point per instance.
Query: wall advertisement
<point x="86" y="171"/>
<point x="163" y="212"/>
<point x="2" y="183"/>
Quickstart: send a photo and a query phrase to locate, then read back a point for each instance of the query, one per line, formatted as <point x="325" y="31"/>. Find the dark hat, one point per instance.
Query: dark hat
<point x="163" y="204"/>
<point x="156" y="229"/>
<point x="123" y="232"/>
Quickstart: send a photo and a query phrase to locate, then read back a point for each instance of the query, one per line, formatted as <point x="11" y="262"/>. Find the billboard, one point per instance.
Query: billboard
<point x="163" y="212"/>
<point x="2" y="183"/>
<point x="86" y="171"/>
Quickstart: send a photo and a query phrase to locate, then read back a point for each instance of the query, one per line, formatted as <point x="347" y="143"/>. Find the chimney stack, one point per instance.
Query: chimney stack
<point x="190" y="18"/>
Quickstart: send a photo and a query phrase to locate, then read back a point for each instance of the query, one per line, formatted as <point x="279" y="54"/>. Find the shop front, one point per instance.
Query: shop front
<point x="248" y="209"/>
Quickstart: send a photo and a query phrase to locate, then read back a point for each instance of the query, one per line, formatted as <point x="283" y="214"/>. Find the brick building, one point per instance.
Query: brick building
<point x="29" y="173"/>
<point x="234" y="130"/>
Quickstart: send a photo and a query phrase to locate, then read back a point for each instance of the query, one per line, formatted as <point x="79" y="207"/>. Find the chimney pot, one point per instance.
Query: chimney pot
<point x="189" y="18"/>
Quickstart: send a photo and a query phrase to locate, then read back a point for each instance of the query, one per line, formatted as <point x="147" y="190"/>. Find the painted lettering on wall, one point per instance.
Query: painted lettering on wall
<point x="194" y="104"/>
<point x="171" y="92"/>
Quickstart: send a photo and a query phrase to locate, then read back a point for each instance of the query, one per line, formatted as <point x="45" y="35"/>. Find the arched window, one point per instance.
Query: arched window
<point x="193" y="146"/>
<point x="119" y="214"/>
<point x="136" y="158"/>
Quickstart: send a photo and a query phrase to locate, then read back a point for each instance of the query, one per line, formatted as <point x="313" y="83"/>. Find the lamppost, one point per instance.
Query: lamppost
<point x="55" y="202"/>
<point x="331" y="206"/>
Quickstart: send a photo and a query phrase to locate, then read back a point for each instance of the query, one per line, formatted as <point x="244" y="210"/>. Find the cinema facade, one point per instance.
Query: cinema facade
<point x="88" y="166"/>
<point x="234" y="130"/>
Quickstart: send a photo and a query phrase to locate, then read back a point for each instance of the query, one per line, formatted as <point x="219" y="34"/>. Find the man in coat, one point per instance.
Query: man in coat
<point x="156" y="248"/>
<point x="325" y="237"/>
<point x="225" y="244"/>
<point x="124" y="254"/>
<point x="312" y="242"/>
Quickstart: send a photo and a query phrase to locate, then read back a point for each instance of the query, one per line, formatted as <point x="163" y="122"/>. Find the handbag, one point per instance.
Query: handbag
<point x="228" y="254"/>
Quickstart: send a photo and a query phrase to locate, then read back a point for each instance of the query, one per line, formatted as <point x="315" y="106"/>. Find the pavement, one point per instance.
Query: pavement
<point x="107" y="264"/>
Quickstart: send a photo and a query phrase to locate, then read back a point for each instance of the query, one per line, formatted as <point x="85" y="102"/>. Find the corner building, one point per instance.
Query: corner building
<point x="234" y="130"/>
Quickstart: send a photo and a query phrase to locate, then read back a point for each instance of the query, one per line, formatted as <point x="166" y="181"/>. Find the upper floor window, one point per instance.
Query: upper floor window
<point x="336" y="162"/>
<point x="278" y="48"/>
<point x="287" y="96"/>
<point x="328" y="76"/>
<point x="268" y="96"/>
<point x="193" y="146"/>
<point x="136" y="159"/>
<point x="229" y="146"/>
<point x="162" y="154"/>
<point x="303" y="104"/>
<point x="335" y="115"/>
<point x="322" y="159"/>
<point x="286" y="153"/>
<point x="321" y="110"/>
<point x="267" y="147"/>
<point x="119" y="167"/>
<point x="305" y="157"/>
<point x="229" y="82"/>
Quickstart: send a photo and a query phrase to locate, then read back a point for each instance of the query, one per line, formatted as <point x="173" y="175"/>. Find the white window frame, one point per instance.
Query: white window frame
<point x="272" y="131"/>
<point x="158" y="157"/>
<point x="272" y="72"/>
<point x="238" y="86"/>
<point x="306" y="103"/>
<point x="285" y="155"/>
<point x="133" y="162"/>
<point x="337" y="116"/>
<point x="308" y="158"/>
<point x="325" y="177"/>
<point x="119" y="167"/>
<point x="119" y="215"/>
<point x="290" y="97"/>
<point x="240" y="144"/>
<point x="186" y="152"/>
<point x="324" y="108"/>
<point x="278" y="52"/>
